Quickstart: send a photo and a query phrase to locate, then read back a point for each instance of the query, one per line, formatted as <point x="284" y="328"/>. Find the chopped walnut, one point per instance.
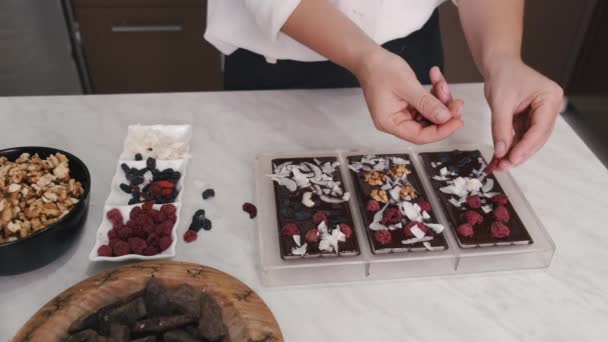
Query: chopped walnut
<point x="379" y="195"/>
<point x="374" y="178"/>
<point x="34" y="193"/>
<point x="407" y="190"/>
<point x="399" y="170"/>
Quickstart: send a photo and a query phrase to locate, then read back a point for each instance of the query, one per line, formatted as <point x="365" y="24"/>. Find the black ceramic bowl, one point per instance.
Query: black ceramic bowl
<point x="49" y="243"/>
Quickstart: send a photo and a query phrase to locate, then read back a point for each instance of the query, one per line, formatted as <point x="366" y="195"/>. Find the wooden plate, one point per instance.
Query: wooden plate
<point x="245" y="314"/>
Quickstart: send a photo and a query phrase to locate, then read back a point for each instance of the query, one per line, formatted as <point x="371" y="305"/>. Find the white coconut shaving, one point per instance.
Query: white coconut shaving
<point x="155" y="142"/>
<point x="297" y="239"/>
<point x="486" y="208"/>
<point x="416" y="240"/>
<point x="329" y="241"/>
<point x="438" y="228"/>
<point x="417" y="232"/>
<point x="400" y="161"/>
<point x="300" y="251"/>
<point x="306" y="199"/>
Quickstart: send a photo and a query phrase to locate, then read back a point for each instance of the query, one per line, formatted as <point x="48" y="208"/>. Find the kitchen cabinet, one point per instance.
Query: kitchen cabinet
<point x="147" y="46"/>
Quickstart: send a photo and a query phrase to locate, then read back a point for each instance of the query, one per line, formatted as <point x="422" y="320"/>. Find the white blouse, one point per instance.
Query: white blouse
<point x="255" y="24"/>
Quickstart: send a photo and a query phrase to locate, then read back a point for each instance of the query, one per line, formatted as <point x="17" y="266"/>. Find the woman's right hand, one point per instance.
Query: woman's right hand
<point x="394" y="97"/>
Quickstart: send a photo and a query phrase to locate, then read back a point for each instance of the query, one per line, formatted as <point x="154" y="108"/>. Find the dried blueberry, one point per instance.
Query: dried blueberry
<point x="195" y="226"/>
<point x="138" y="156"/>
<point x="175" y="176"/>
<point x="206" y="224"/>
<point x="146" y="187"/>
<point x="124" y="187"/>
<point x="208" y="193"/>
<point x="141" y="172"/>
<point x="137" y="180"/>
<point x="199" y="215"/>
<point x="125" y="168"/>
<point x="133" y="200"/>
<point x="151" y="163"/>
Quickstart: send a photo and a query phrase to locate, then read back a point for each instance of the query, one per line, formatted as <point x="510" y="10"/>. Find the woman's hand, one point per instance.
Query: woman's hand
<point x="394" y="97"/>
<point x="524" y="105"/>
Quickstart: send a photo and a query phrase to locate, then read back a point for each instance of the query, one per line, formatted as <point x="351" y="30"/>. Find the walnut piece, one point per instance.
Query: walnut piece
<point x="374" y="178"/>
<point x="379" y="195"/>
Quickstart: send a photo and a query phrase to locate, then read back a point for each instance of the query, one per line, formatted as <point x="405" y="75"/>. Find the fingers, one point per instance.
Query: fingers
<point x="502" y="129"/>
<point x="455" y="106"/>
<point x="412" y="131"/>
<point x="428" y="105"/>
<point x="440" y="85"/>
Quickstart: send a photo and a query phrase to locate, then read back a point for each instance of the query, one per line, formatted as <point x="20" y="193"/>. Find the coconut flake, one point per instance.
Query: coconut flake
<point x="491" y="194"/>
<point x="443" y="171"/>
<point x="300" y="250"/>
<point x="332" y="200"/>
<point x="346" y="196"/>
<point x="438" y="228"/>
<point x="427" y="245"/>
<point x="417" y="232"/>
<point x="425" y="215"/>
<point x="396" y="226"/>
<point x="454" y="202"/>
<point x="395" y="193"/>
<point x="306" y="199"/>
<point x="286" y="182"/>
<point x="473" y="185"/>
<point x="297" y="239"/>
<point x="399" y="161"/>
<point x="411" y="211"/>
<point x="486" y="208"/>
<point x="415" y="240"/>
<point x="329" y="242"/>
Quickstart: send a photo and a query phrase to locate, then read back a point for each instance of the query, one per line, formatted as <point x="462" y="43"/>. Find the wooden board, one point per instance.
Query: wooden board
<point x="245" y="314"/>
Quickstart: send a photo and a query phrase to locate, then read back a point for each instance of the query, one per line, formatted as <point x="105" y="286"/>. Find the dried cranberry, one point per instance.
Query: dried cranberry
<point x="474" y="202"/>
<point x="121" y="248"/>
<point x="465" y="230"/>
<point x="425" y="206"/>
<point x="383" y="236"/>
<point x="407" y="230"/>
<point x="346" y="230"/>
<point x="319" y="217"/>
<point x="290" y="229"/>
<point x="500" y="230"/>
<point x="312" y="235"/>
<point x="500" y="199"/>
<point x="164" y="242"/>
<point x="115" y="217"/>
<point x="137" y="245"/>
<point x="392" y="216"/>
<point x="501" y="213"/>
<point x="190" y="235"/>
<point x="472" y="217"/>
<point x="373" y="205"/>
<point x="104" y="250"/>
<point x="250" y="209"/>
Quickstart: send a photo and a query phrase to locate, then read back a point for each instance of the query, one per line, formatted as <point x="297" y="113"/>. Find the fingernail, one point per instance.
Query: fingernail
<point x="442" y="115"/>
<point x="499" y="148"/>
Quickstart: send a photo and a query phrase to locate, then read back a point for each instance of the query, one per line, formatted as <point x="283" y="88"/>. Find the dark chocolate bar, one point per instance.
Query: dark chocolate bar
<point x="394" y="206"/>
<point x="313" y="215"/>
<point x="480" y="213"/>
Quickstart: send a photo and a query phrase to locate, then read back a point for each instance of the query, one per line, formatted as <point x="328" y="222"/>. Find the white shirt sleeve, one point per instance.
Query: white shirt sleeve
<point x="271" y="15"/>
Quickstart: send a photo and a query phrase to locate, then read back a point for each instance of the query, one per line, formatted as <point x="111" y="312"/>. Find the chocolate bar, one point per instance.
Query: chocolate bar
<point x="313" y="215"/>
<point x="394" y="206"/>
<point x="480" y="213"/>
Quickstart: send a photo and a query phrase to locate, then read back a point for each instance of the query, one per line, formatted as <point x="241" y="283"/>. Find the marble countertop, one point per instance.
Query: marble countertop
<point x="565" y="184"/>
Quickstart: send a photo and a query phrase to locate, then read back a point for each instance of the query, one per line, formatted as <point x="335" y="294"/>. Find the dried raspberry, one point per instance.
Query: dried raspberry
<point x="125" y="233"/>
<point x="474" y="202"/>
<point x="465" y="230"/>
<point x="500" y="230"/>
<point x="392" y="216"/>
<point x="168" y="209"/>
<point x="500" y="199"/>
<point x="346" y="230"/>
<point x="290" y="229"/>
<point x="319" y="217"/>
<point x="135" y="212"/>
<point x="137" y="245"/>
<point x="190" y="235"/>
<point x="121" y="248"/>
<point x="112" y="234"/>
<point x="383" y="236"/>
<point x="373" y="205"/>
<point x="151" y="250"/>
<point x="149" y="228"/>
<point x="152" y="240"/>
<point x="165" y="242"/>
<point x="172" y="218"/>
<point x="155" y="216"/>
<point x="472" y="217"/>
<point x="140" y="232"/>
<point x="115" y="217"/>
<point x="113" y="242"/>
<point x="312" y="235"/>
<point x="407" y="230"/>
<point x="164" y="229"/>
<point x="501" y="213"/>
<point x="131" y="224"/>
<point x="250" y="209"/>
<point x="117" y="226"/>
<point x="425" y="206"/>
<point x="147" y="207"/>
<point x="104" y="250"/>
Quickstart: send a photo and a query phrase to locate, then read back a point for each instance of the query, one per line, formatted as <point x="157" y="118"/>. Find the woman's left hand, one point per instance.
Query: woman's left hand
<point x="524" y="105"/>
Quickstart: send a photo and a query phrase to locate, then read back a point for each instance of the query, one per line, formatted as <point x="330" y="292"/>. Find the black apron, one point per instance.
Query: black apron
<point x="245" y="70"/>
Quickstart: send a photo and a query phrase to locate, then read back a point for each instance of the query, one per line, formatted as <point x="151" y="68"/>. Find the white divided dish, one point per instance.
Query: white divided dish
<point x="101" y="237"/>
<point x="369" y="266"/>
<point x="119" y="197"/>
<point x="162" y="142"/>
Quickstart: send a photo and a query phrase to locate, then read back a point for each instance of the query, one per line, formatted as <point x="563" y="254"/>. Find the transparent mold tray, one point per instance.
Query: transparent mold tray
<point x="275" y="271"/>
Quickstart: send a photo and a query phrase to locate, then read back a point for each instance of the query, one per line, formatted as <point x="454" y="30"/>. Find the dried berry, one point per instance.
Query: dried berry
<point x="313" y="235"/>
<point x="125" y="168"/>
<point x="190" y="235"/>
<point x="474" y="202"/>
<point x="164" y="229"/>
<point x="133" y="200"/>
<point x="425" y="206"/>
<point x="208" y="193"/>
<point x="500" y="230"/>
<point x="104" y="250"/>
<point x="121" y="248"/>
<point x="137" y="180"/>
<point x="465" y="230"/>
<point x="195" y="226"/>
<point x="501" y="213"/>
<point x="112" y="234"/>
<point x="392" y="216"/>
<point x="124" y="233"/>
<point x="373" y="205"/>
<point x="138" y="156"/>
<point x="151" y="250"/>
<point x="407" y="230"/>
<point x="383" y="236"/>
<point x="115" y="217"/>
<point x="319" y="217"/>
<point x="165" y="242"/>
<point x="147" y="207"/>
<point x="290" y="229"/>
<point x="472" y="217"/>
<point x="199" y="215"/>
<point x="151" y="163"/>
<point x="152" y="240"/>
<point x="500" y="199"/>
<point x="126" y="188"/>
<point x="250" y="209"/>
<point x="206" y="224"/>
<point x="137" y="245"/>
<point x="346" y="230"/>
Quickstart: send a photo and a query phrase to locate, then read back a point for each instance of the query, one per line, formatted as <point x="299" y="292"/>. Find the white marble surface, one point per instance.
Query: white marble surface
<point x="565" y="184"/>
